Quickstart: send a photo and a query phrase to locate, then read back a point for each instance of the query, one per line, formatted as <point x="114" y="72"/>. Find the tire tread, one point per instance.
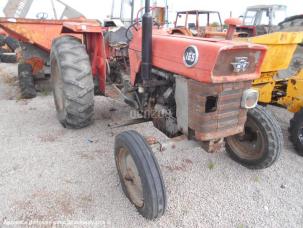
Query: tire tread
<point x="77" y="77"/>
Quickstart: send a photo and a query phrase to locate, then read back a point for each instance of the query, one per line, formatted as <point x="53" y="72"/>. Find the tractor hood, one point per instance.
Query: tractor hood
<point x="200" y="59"/>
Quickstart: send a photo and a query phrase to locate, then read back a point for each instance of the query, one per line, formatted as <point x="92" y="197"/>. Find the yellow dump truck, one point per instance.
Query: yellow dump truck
<point x="274" y="87"/>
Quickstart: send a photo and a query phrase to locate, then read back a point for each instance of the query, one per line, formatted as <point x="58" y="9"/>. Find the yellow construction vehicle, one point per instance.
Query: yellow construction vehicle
<point x="274" y="87"/>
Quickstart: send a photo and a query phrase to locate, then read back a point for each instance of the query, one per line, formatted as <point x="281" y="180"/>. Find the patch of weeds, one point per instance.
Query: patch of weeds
<point x="44" y="92"/>
<point x="241" y="226"/>
<point x="19" y="98"/>
<point x="256" y="179"/>
<point x="211" y="165"/>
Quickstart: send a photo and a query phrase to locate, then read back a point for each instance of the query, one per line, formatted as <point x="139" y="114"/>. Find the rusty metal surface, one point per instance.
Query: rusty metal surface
<point x="214" y="146"/>
<point x="159" y="15"/>
<point x="227" y="119"/>
<point x="34" y="30"/>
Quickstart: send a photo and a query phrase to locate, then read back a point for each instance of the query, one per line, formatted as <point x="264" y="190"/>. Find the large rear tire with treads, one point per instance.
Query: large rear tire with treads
<point x="72" y="81"/>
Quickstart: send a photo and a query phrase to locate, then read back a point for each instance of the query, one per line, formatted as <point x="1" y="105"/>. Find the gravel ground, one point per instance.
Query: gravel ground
<point x="51" y="174"/>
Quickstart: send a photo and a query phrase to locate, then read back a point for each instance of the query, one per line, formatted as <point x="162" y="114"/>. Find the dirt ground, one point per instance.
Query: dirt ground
<point x="52" y="176"/>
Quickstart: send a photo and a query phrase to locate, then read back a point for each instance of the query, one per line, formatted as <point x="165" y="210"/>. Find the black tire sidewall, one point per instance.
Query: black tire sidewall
<point x="295" y="125"/>
<point x="145" y="184"/>
<point x="61" y="114"/>
<point x="148" y="183"/>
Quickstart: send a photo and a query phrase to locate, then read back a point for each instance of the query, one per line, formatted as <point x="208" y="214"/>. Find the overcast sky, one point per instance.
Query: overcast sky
<point x="99" y="9"/>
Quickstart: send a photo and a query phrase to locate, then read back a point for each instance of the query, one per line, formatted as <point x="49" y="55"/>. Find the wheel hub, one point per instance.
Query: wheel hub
<point x="131" y="177"/>
<point x="250" y="144"/>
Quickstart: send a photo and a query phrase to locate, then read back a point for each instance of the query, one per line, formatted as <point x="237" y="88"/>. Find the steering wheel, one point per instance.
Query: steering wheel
<point x="42" y="15"/>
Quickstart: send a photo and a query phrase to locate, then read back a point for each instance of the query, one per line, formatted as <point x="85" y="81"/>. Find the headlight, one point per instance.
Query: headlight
<point x="250" y="99"/>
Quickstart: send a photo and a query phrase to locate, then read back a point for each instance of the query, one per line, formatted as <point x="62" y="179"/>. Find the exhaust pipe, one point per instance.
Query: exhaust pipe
<point x="147" y="29"/>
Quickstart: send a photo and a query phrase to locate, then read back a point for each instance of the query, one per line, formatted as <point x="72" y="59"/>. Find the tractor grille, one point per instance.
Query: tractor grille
<point x="215" y="109"/>
<point x="226" y="58"/>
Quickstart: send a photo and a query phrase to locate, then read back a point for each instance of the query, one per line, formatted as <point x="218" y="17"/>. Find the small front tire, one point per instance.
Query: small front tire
<point x="261" y="144"/>
<point x="140" y="175"/>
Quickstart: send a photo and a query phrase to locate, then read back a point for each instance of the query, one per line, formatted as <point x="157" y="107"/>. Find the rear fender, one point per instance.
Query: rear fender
<point x="92" y="36"/>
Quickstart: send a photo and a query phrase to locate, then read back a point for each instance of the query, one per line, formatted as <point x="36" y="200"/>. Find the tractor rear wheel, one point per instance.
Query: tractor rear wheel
<point x="26" y="81"/>
<point x="261" y="143"/>
<point x="12" y="43"/>
<point x="296" y="131"/>
<point x="140" y="174"/>
<point x="72" y="81"/>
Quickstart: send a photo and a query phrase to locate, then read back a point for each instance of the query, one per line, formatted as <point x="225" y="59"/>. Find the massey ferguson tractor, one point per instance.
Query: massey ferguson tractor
<point x="185" y="85"/>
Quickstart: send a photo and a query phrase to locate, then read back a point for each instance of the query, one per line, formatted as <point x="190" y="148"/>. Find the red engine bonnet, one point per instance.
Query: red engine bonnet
<point x="168" y="51"/>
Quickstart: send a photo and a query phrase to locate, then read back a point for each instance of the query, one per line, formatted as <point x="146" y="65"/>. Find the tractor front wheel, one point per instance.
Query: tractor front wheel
<point x="72" y="81"/>
<point x="261" y="143"/>
<point x="140" y="175"/>
<point x="296" y="131"/>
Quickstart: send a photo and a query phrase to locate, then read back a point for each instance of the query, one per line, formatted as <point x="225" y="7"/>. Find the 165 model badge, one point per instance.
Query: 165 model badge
<point x="191" y="56"/>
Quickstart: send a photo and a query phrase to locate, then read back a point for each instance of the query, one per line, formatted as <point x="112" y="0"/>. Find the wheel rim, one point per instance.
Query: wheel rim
<point x="57" y="86"/>
<point x="130" y="176"/>
<point x="250" y="144"/>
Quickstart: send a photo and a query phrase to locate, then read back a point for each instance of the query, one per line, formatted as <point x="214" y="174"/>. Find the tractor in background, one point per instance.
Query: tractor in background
<point x="30" y="45"/>
<point x="265" y="19"/>
<point x="7" y="54"/>
<point x="193" y="86"/>
<point x="262" y="19"/>
<point x="32" y="49"/>
<point x="200" y="23"/>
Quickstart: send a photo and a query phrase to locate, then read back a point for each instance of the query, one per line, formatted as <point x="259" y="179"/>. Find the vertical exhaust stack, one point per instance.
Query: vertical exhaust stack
<point x="147" y="29"/>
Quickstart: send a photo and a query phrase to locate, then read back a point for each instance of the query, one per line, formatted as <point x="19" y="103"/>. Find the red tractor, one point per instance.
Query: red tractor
<point x="200" y="23"/>
<point x="194" y="86"/>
